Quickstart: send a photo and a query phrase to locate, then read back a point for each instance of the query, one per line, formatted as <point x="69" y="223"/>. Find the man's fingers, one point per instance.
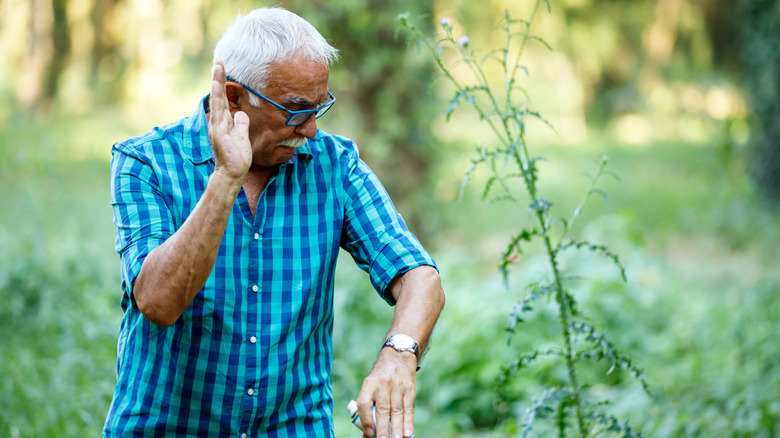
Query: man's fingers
<point x="218" y="98"/>
<point x="397" y="412"/>
<point x="383" y="415"/>
<point x="387" y="410"/>
<point x="409" y="413"/>
<point x="241" y="126"/>
<point x="365" y="404"/>
<point x="218" y="76"/>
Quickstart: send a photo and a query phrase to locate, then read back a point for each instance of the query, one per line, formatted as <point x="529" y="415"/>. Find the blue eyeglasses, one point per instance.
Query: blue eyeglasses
<point x="294" y="118"/>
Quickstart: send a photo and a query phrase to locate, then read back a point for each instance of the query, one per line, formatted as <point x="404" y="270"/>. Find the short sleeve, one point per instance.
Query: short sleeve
<point x="374" y="233"/>
<point x="142" y="219"/>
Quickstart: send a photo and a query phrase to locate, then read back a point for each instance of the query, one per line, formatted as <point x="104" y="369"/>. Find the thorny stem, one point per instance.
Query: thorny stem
<point x="563" y="317"/>
<point x="560" y="293"/>
<point x="562" y="420"/>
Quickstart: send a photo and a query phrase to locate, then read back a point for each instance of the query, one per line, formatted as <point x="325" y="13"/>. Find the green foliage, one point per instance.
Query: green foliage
<point x="59" y="312"/>
<point x="506" y="115"/>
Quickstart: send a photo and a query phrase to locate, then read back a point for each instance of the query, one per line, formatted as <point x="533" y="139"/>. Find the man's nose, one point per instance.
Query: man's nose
<point x="308" y="128"/>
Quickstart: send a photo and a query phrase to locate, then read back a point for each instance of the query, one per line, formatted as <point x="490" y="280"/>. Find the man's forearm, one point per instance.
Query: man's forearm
<point x="173" y="273"/>
<point x="419" y="301"/>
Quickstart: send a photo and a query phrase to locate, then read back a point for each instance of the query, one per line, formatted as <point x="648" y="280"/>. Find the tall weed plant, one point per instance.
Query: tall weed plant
<point x="568" y="404"/>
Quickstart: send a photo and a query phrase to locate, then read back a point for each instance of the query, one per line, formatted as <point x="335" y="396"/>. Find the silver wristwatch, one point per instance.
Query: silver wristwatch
<point x="403" y="343"/>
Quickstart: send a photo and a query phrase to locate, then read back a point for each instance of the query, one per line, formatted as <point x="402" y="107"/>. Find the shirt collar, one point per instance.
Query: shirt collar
<point x="197" y="145"/>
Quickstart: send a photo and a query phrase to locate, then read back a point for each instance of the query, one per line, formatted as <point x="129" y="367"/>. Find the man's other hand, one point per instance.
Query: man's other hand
<point x="391" y="387"/>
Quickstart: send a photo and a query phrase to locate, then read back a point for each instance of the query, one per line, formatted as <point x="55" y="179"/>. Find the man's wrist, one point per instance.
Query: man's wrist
<point x="405" y="345"/>
<point x="226" y="176"/>
<point x="405" y="357"/>
<point x="225" y="183"/>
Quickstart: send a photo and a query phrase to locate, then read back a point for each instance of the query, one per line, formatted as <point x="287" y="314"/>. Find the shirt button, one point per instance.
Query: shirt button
<point x="251" y="391"/>
<point x="257" y="236"/>
<point x="255" y="288"/>
<point x="253" y="339"/>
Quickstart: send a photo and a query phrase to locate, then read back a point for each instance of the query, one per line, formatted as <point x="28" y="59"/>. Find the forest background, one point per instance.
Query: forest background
<point x="683" y="96"/>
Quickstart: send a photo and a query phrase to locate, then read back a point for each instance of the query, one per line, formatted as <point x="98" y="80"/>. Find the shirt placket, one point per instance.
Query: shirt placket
<point x="251" y="398"/>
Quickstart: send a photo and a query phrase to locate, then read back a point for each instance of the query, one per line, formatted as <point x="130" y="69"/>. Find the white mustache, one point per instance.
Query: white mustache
<point x="293" y="142"/>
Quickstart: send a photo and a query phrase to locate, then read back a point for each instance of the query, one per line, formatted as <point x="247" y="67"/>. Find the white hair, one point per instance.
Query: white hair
<point x="252" y="42"/>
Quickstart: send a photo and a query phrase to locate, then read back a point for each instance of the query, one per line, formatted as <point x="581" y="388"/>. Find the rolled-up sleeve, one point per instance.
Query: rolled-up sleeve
<point x="141" y="216"/>
<point x="375" y="234"/>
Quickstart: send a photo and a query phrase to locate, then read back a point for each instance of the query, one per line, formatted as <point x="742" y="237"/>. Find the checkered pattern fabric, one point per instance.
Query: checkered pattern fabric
<point x="252" y="353"/>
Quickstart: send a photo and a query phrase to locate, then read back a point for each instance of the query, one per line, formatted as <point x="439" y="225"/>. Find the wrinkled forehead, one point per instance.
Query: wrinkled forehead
<point x="299" y="77"/>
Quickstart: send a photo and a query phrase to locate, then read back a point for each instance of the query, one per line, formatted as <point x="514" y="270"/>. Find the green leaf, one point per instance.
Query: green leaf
<point x="534" y="293"/>
<point x="541" y="206"/>
<point x="543" y="407"/>
<point x="596" y="249"/>
<point x="603" y="422"/>
<point x="488" y="186"/>
<point x="466" y="93"/>
<point x="599" y="192"/>
<point x="602" y="348"/>
<point x="514" y="246"/>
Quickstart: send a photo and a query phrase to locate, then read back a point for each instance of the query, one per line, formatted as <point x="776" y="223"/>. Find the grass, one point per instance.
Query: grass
<point x="699" y="313"/>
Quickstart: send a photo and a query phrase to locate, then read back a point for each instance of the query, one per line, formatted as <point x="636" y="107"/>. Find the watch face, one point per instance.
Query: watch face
<point x="403" y="341"/>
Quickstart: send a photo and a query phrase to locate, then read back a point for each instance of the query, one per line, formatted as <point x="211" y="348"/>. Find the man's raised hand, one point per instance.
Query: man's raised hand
<point x="229" y="133"/>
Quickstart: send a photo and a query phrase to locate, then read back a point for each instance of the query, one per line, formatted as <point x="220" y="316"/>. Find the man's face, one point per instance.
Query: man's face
<point x="296" y="84"/>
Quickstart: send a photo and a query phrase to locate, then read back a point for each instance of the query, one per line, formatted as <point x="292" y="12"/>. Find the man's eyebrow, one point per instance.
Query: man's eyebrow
<point x="299" y="101"/>
<point x="294" y="100"/>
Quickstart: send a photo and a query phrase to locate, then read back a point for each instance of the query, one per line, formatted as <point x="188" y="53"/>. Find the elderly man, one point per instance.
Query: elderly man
<point x="229" y="224"/>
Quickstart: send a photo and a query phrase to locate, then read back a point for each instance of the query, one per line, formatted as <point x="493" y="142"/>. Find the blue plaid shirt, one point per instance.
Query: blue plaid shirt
<point x="252" y="353"/>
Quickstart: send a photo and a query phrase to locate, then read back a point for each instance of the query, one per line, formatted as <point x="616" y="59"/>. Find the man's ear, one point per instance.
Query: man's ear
<point x="234" y="92"/>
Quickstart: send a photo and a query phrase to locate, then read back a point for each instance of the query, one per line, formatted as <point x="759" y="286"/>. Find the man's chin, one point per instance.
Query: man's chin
<point x="284" y="153"/>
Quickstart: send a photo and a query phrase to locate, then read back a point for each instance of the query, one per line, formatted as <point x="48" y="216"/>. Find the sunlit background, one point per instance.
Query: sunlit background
<point x="683" y="96"/>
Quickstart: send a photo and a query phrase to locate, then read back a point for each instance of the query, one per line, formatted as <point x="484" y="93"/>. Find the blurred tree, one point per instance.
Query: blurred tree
<point x="46" y="55"/>
<point x="60" y="36"/>
<point x="759" y="38"/>
<point x="105" y="63"/>
<point x="606" y="45"/>
<point x="746" y="39"/>
<point x="625" y="50"/>
<point x="386" y="84"/>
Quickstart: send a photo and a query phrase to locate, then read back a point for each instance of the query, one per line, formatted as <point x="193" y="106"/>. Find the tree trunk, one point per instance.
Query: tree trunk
<point x="29" y="89"/>
<point x="746" y="41"/>
<point x="60" y="37"/>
